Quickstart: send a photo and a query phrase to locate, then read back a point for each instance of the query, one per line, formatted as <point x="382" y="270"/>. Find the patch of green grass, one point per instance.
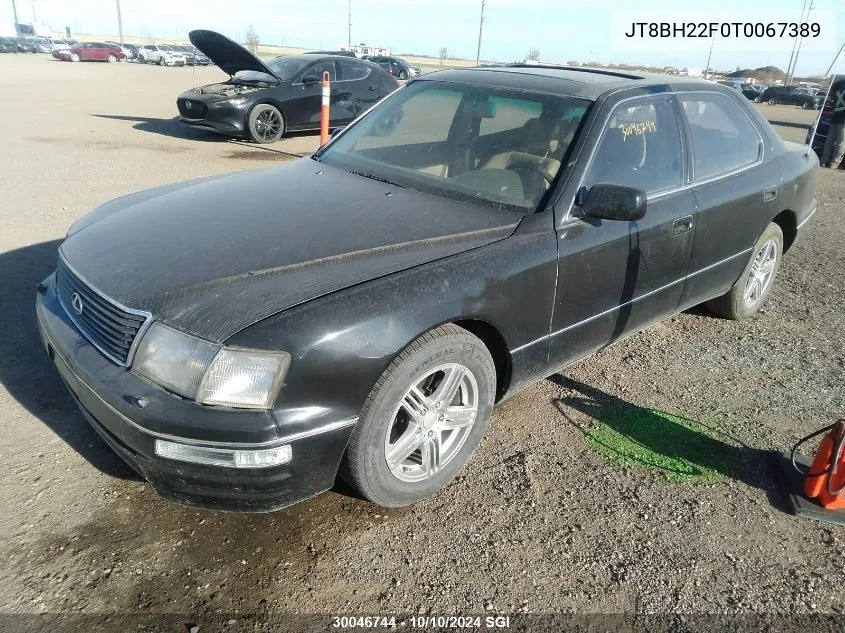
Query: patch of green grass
<point x="683" y="450"/>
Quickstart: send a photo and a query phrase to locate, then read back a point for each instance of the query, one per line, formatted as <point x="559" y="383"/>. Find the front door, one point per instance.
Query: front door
<point x="303" y="109"/>
<point x="616" y="277"/>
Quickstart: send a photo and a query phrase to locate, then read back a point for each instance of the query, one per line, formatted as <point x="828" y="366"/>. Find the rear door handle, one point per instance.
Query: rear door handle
<point x="770" y="193"/>
<point x="682" y="225"/>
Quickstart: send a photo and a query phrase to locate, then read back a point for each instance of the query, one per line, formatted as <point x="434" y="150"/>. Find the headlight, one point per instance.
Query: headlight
<point x="209" y="373"/>
<point x="228" y="103"/>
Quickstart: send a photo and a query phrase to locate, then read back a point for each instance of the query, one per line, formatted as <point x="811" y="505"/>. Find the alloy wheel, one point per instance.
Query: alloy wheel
<point x="431" y="422"/>
<point x="267" y="124"/>
<point x="761" y="274"/>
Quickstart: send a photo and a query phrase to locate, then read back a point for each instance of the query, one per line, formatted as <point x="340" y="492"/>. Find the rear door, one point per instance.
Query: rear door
<point x="736" y="182"/>
<point x="616" y="277"/>
<point x="355" y="90"/>
<point x="98" y="51"/>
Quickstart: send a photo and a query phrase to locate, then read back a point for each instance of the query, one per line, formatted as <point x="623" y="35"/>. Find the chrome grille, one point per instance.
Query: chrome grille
<point x="110" y="327"/>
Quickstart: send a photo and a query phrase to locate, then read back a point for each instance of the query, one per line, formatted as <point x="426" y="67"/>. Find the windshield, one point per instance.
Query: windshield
<point x="286" y="68"/>
<point x="496" y="147"/>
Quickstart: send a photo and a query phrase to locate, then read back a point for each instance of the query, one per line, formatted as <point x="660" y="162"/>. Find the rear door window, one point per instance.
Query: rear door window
<point x="640" y="147"/>
<point x="350" y="71"/>
<point x="723" y="139"/>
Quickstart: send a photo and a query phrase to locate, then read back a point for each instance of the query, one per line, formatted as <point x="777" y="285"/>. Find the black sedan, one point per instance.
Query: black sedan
<point x="264" y="101"/>
<point x="242" y="339"/>
<point x="8" y="45"/>
<point x="396" y="66"/>
<point x="792" y="95"/>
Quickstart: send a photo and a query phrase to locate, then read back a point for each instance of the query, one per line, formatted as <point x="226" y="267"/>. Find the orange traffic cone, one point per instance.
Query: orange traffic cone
<point x="826" y="480"/>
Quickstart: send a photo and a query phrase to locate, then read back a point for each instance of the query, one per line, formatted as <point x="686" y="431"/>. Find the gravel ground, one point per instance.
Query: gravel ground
<point x="537" y="523"/>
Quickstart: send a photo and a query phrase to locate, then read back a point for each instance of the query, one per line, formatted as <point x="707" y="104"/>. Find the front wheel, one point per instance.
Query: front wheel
<point x="403" y="75"/>
<point x="111" y="59"/>
<point x="773" y="101"/>
<point x="807" y="105"/>
<point x="141" y="59"/>
<point x="161" y="61"/>
<point x="757" y="99"/>
<point x="748" y="295"/>
<point x="74" y="57"/>
<point x="265" y="124"/>
<point x="423" y="419"/>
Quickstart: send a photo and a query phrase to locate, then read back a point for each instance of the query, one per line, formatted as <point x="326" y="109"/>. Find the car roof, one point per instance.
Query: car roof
<point x="564" y="80"/>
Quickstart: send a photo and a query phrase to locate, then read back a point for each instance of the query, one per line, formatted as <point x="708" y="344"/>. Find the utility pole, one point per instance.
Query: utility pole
<point x="34" y="19"/>
<point x="349" y="36"/>
<point x="794" y="44"/>
<point x="15" y="12"/>
<point x="709" y="55"/>
<point x="119" y="23"/>
<point x="798" y="50"/>
<point x="480" y="27"/>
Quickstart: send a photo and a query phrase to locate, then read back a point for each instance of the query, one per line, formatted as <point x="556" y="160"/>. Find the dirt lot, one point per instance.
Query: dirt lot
<point x="538" y="523"/>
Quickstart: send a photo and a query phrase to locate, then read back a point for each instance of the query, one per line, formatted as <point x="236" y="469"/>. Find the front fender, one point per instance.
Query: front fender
<point x="341" y="343"/>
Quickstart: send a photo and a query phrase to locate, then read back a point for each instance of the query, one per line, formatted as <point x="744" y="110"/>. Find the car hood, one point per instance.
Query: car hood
<point x="213" y="256"/>
<point x="228" y="55"/>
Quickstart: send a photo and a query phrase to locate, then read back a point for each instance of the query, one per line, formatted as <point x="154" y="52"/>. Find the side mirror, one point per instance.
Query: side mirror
<point x="335" y="132"/>
<point x="615" y="202"/>
<point x="310" y="79"/>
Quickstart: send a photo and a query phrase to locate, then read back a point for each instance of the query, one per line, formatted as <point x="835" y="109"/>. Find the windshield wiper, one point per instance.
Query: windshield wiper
<point x="374" y="177"/>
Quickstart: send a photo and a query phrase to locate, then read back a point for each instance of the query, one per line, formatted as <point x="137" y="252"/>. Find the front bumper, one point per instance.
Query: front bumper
<point x="223" y="120"/>
<point x="130" y="414"/>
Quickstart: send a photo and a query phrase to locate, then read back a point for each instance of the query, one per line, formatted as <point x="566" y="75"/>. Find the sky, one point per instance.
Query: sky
<point x="562" y="31"/>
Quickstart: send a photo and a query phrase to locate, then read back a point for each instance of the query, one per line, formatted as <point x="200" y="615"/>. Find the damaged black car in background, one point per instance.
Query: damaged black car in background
<point x="263" y="101"/>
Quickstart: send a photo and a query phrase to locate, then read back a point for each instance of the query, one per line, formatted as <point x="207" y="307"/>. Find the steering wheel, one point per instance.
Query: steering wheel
<point x="535" y="180"/>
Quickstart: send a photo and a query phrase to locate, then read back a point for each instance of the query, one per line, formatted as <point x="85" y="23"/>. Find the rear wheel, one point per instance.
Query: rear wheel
<point x="423" y="419"/>
<point x="807" y="105"/>
<point x="265" y="124"/>
<point x="755" y="284"/>
<point x="161" y="61"/>
<point x="773" y="101"/>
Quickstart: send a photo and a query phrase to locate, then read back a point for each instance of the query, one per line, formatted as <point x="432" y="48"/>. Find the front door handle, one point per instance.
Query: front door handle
<point x="682" y="225"/>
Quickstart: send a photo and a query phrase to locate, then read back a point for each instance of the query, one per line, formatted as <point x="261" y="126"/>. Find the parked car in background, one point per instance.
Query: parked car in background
<point x="61" y="45"/>
<point x="91" y="52"/>
<point x="263" y="101"/>
<point x="822" y="123"/>
<point x="42" y="45"/>
<point x="242" y="339"/>
<point x="396" y="66"/>
<point x="24" y="45"/>
<point x="161" y="54"/>
<point x="340" y="53"/>
<point x="749" y="91"/>
<point x="8" y="45"/>
<point x="792" y="95"/>
<point x="193" y="57"/>
<point x="128" y="52"/>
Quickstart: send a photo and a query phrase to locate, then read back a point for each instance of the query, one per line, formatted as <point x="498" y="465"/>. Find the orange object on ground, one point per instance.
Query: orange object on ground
<point x="324" y="110"/>
<point x="826" y="480"/>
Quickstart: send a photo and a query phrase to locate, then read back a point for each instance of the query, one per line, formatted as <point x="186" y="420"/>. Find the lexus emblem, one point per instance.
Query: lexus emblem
<point x="76" y="302"/>
<point x="188" y="105"/>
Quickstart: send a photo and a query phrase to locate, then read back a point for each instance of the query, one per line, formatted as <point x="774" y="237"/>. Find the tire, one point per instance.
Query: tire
<point x="111" y="59"/>
<point x="141" y="59"/>
<point x="757" y="99"/>
<point x="773" y="101"/>
<point x="74" y="57"/>
<point x="737" y="304"/>
<point x="265" y="124"/>
<point x="403" y="75"/>
<point x="387" y="426"/>
<point x="161" y="61"/>
<point x="807" y="105"/>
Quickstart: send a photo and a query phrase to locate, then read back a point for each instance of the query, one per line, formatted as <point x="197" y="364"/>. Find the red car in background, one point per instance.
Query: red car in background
<point x="91" y="52"/>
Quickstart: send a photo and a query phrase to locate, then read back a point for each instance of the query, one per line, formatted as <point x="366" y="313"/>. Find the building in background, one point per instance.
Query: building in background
<point x="362" y="49"/>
